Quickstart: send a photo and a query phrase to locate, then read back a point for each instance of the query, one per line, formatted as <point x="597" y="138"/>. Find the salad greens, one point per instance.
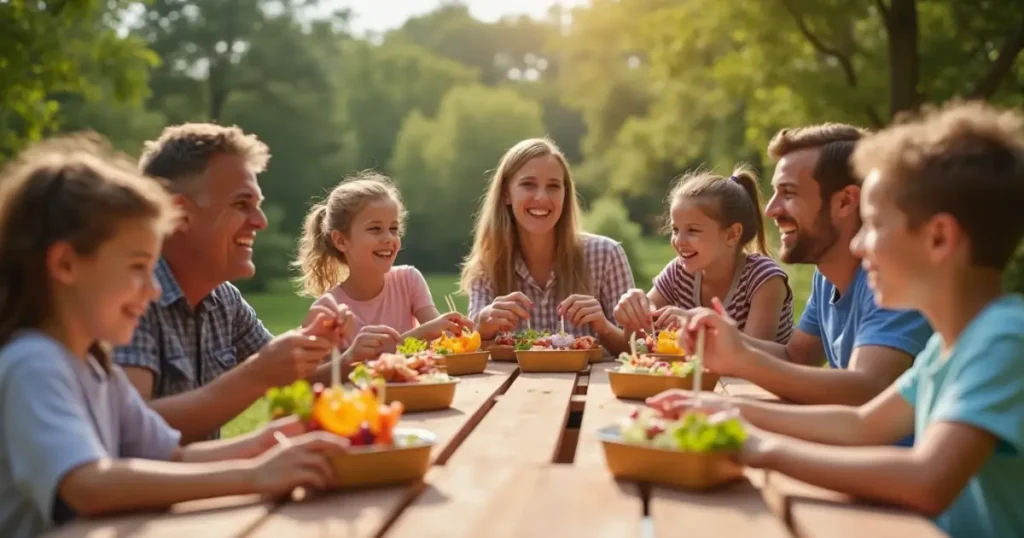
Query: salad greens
<point x="694" y="432"/>
<point x="524" y="340"/>
<point x="412" y="346"/>
<point x="295" y="399"/>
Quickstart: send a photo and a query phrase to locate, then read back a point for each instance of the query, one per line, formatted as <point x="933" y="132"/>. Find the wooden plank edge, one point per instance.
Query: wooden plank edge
<point x="460" y="436"/>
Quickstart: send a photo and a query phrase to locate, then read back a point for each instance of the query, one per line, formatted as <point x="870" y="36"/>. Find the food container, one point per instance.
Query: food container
<point x="552" y="360"/>
<point x="500" y="353"/>
<point x="667" y="357"/>
<point x="663" y="467"/>
<point x="465" y="363"/>
<point x="596" y="354"/>
<point x="429" y="396"/>
<point x="365" y="466"/>
<point x="638" y="386"/>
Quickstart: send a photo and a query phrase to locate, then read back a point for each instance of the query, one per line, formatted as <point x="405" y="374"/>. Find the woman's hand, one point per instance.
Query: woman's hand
<point x="583" y="310"/>
<point x="671" y="318"/>
<point x="451" y="323"/>
<point x="633" y="311"/>
<point x="503" y="314"/>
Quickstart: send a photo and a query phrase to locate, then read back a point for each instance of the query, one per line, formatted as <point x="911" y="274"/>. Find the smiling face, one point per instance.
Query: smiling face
<point x="224" y="219"/>
<point x="893" y="255"/>
<point x="536" y="193"/>
<point x="699" y="239"/>
<point x="109" y="290"/>
<point x="373" y="239"/>
<point x="803" y="218"/>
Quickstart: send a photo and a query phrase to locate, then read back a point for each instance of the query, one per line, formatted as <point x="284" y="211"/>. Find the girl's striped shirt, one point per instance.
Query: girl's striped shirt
<point x="682" y="289"/>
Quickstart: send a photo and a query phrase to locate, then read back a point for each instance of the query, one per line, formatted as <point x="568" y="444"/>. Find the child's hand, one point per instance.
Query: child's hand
<point x="759" y="445"/>
<point x="675" y="402"/>
<point x="671" y="318"/>
<point x="452" y="323"/>
<point x="582" y="310"/>
<point x="304" y="464"/>
<point x="724" y="347"/>
<point x="371" y="341"/>
<point x="290" y="426"/>
<point x="633" y="312"/>
<point x="504" y="314"/>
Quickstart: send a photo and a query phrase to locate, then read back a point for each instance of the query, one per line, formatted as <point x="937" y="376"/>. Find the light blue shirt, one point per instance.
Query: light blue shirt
<point x="58" y="413"/>
<point x="852" y="320"/>
<point x="980" y="384"/>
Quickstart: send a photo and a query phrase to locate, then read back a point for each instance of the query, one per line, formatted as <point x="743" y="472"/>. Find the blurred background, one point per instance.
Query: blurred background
<point x="432" y="93"/>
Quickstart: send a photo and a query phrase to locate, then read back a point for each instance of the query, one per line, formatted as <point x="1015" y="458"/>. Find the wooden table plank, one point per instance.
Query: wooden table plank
<point x="351" y="514"/>
<point x="736" y="510"/>
<point x="473" y="397"/>
<point x="735" y="386"/>
<point x="815" y="512"/>
<point x="602" y="409"/>
<point x="525" y="425"/>
<point x="500" y="501"/>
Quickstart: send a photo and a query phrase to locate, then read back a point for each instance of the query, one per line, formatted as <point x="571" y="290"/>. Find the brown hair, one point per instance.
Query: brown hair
<point x="727" y="200"/>
<point x="74" y="189"/>
<point x="835" y="142"/>
<point x="182" y="152"/>
<point x="320" y="262"/>
<point x="495" y="240"/>
<point x="963" y="159"/>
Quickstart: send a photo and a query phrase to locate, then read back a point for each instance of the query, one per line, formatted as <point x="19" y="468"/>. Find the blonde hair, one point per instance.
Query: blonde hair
<point x="74" y="189"/>
<point x="321" y="264"/>
<point x="727" y="200"/>
<point x="496" y="236"/>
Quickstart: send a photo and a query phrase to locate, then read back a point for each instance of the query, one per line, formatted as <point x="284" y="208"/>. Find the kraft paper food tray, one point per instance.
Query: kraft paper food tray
<point x="465" y="363"/>
<point x="500" y="353"/>
<point x="635" y="386"/>
<point x="667" y="357"/>
<point x="596" y="354"/>
<point x="553" y="360"/>
<point x="421" y="396"/>
<point x="364" y="466"/>
<point x="671" y="468"/>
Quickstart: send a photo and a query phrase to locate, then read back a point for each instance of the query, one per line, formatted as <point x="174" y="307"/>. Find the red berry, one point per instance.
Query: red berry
<point x="318" y="389"/>
<point x="653" y="430"/>
<point x="634" y="414"/>
<point x="313" y="425"/>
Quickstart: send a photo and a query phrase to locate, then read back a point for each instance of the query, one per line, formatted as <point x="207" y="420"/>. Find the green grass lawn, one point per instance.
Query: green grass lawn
<point x="281" y="309"/>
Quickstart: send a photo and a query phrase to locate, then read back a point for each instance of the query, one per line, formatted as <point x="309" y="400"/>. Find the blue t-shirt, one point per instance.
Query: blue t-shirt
<point x="57" y="413"/>
<point x="854" y="320"/>
<point x="980" y="383"/>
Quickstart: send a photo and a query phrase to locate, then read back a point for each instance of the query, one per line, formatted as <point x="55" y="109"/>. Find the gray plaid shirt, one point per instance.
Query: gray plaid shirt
<point x="187" y="348"/>
<point x="610" y="277"/>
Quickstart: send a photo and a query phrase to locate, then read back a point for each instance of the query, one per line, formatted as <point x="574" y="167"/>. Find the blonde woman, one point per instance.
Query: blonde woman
<point x="530" y="261"/>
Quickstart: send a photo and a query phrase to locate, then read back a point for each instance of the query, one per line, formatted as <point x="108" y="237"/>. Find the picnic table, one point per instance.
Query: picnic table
<point x="513" y="459"/>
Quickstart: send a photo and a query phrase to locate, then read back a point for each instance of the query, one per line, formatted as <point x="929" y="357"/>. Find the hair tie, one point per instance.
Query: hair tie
<point x="736" y="179"/>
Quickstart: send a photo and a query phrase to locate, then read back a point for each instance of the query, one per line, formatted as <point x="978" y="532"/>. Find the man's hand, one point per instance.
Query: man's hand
<point x="292" y="355"/>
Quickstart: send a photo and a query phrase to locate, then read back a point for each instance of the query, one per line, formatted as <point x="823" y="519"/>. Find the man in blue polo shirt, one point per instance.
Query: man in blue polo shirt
<point x="816" y="208"/>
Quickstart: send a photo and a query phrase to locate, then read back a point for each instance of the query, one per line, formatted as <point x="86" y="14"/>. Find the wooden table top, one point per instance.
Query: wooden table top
<point x="507" y="464"/>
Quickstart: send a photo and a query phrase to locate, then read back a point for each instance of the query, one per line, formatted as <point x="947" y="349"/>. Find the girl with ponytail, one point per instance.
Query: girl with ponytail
<point x="718" y="233"/>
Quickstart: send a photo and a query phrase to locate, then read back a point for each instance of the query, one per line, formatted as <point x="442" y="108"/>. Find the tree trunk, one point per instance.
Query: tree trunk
<point x="901" y="25"/>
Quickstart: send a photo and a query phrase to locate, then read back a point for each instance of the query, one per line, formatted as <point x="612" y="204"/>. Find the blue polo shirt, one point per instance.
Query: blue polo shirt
<point x="847" y="322"/>
<point x="980" y="383"/>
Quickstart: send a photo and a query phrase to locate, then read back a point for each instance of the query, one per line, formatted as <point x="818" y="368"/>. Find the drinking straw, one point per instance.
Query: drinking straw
<point x="563" y="324"/>
<point x="698" y="367"/>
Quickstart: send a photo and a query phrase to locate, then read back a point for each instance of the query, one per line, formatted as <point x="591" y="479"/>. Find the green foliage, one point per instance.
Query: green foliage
<point x="68" y="48"/>
<point x="440" y="164"/>
<point x="608" y="217"/>
<point x="1013" y="279"/>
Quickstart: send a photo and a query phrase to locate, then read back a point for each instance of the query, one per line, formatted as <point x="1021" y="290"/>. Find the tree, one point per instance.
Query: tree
<point x="441" y="166"/>
<point x="62" y="49"/>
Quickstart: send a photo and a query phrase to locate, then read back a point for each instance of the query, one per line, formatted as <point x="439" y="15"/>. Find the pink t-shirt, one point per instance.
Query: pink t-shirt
<point x="405" y="291"/>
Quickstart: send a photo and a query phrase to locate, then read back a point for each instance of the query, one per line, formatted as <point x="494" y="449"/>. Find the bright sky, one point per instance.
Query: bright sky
<point x="380" y="15"/>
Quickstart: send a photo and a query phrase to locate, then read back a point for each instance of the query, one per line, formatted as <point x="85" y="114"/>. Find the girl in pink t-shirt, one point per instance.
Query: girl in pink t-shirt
<point x="718" y="232"/>
<point x="348" y="251"/>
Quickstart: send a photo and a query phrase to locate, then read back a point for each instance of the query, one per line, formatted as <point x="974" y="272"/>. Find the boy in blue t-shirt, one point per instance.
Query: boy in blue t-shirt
<point x="941" y="206"/>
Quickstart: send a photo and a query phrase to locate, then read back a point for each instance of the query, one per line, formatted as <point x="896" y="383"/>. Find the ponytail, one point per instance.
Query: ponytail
<point x="745" y="177"/>
<point x="320" y="264"/>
